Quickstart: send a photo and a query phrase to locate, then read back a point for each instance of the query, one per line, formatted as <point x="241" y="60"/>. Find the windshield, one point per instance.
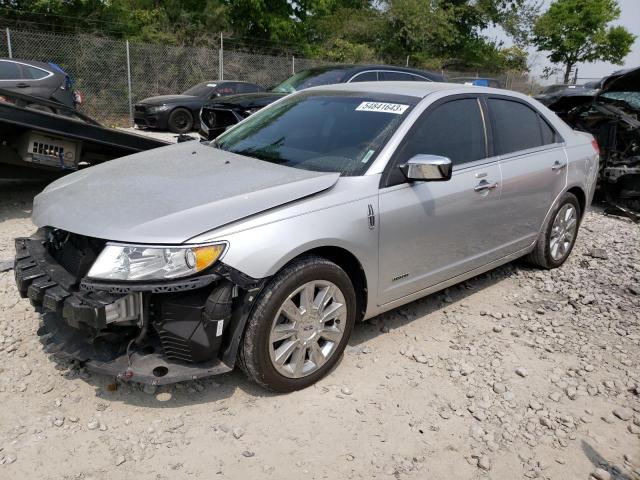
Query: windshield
<point x="630" y="98"/>
<point x="320" y="131"/>
<point x="310" y="78"/>
<point x="201" y="89"/>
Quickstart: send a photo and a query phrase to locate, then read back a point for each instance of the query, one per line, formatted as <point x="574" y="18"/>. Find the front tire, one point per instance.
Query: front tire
<point x="300" y="325"/>
<point x="180" y="120"/>
<point x="558" y="235"/>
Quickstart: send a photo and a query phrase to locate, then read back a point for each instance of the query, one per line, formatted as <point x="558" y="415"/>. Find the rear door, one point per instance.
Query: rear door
<point x="433" y="231"/>
<point x="534" y="167"/>
<point x="11" y="77"/>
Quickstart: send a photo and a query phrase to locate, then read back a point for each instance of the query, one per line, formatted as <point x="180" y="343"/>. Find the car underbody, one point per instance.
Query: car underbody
<point x="154" y="333"/>
<point x="613" y="118"/>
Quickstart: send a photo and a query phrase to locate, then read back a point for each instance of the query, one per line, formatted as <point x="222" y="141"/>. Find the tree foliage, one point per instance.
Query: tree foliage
<point x="576" y="31"/>
<point x="429" y="33"/>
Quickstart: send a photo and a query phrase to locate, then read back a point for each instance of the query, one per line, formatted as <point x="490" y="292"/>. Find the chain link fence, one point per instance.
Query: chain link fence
<point x="113" y="74"/>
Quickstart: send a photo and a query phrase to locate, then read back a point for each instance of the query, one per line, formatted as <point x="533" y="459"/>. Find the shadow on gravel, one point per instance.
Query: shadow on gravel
<point x="16" y="198"/>
<point x="600" y="462"/>
<point x="401" y="316"/>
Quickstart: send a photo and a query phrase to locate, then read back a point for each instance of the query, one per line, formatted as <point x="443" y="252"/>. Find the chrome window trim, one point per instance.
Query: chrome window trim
<point x="49" y="74"/>
<point x="531" y="151"/>
<point x="377" y="71"/>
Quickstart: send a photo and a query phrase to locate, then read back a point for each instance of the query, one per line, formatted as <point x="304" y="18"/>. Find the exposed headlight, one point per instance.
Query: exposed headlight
<point x="140" y="262"/>
<point x="157" y="108"/>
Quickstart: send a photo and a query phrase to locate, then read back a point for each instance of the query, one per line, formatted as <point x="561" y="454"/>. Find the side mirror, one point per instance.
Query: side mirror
<point x="430" y="168"/>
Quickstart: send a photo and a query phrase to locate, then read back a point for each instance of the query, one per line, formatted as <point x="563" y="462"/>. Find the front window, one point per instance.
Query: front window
<point x="320" y="131"/>
<point x="310" y="78"/>
<point x="201" y="89"/>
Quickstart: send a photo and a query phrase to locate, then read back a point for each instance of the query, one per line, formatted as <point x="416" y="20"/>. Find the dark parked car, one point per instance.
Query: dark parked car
<point x="177" y="112"/>
<point x="553" y="93"/>
<point x="216" y="116"/>
<point x="38" y="79"/>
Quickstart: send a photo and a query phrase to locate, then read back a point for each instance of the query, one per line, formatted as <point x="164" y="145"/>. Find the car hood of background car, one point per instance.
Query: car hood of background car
<point x="164" y="99"/>
<point x="247" y="100"/>
<point x="171" y="194"/>
<point x="622" y="81"/>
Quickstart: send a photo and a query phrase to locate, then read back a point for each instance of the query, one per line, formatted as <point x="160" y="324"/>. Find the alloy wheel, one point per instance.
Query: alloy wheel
<point x="563" y="232"/>
<point x="307" y="328"/>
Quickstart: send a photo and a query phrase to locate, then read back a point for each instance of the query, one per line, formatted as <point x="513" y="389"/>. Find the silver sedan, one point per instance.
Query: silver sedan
<point x="265" y="246"/>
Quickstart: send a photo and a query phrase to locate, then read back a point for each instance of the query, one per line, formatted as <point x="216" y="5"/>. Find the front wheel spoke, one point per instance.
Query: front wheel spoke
<point x="332" y="334"/>
<point x="307" y="297"/>
<point x="316" y="355"/>
<point x="290" y="310"/>
<point x="324" y="297"/>
<point x="571" y="224"/>
<point x="282" y="332"/>
<point x="332" y="311"/>
<point x="297" y="360"/>
<point x="284" y="351"/>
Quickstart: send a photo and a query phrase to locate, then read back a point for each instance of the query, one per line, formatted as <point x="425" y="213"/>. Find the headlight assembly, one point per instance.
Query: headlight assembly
<point x="158" y="108"/>
<point x="148" y="262"/>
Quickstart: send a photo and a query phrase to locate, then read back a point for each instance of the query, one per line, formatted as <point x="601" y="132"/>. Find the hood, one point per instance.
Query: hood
<point x="622" y="81"/>
<point x="170" y="194"/>
<point x="246" y="100"/>
<point x="162" y="99"/>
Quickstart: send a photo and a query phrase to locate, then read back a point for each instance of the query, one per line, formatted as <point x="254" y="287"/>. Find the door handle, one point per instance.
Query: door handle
<point x="558" y="166"/>
<point x="484" y="185"/>
<point x="22" y="85"/>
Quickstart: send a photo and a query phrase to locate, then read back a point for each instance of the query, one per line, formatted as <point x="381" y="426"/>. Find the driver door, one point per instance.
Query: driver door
<point x="433" y="231"/>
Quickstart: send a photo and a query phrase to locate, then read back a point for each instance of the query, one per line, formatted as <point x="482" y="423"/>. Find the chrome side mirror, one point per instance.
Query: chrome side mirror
<point x="431" y="168"/>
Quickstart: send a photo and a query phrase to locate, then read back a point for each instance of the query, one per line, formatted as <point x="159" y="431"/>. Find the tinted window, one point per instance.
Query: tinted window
<point x="223" y="89"/>
<point x="9" y="71"/>
<point x="548" y="134"/>
<point x="319" y="131"/>
<point x="515" y="126"/>
<point x="417" y="78"/>
<point x="366" y="77"/>
<point x="395" y="76"/>
<point x="33" y="73"/>
<point x="247" y="88"/>
<point x="310" y="78"/>
<point x="454" y="130"/>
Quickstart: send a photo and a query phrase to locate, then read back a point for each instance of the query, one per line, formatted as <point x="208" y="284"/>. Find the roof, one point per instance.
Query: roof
<point x="411" y="89"/>
<point x="353" y="69"/>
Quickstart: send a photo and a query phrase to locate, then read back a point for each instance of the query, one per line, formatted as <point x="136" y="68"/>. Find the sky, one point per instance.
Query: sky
<point x="630" y="18"/>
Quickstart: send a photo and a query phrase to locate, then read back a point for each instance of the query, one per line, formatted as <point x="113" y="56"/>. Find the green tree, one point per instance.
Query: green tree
<point x="576" y="31"/>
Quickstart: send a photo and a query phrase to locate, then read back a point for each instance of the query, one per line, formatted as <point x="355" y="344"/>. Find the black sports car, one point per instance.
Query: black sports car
<point x="177" y="112"/>
<point x="217" y="115"/>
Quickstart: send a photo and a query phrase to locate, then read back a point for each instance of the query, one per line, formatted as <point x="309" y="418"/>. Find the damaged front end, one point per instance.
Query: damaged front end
<point x="156" y="332"/>
<point x="612" y="116"/>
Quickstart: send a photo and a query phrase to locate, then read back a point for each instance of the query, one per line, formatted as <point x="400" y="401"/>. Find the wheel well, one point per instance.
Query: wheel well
<point x="582" y="199"/>
<point x="350" y="264"/>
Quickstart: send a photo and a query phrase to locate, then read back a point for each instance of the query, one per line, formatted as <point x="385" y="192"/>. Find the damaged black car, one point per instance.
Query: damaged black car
<point x="612" y="115"/>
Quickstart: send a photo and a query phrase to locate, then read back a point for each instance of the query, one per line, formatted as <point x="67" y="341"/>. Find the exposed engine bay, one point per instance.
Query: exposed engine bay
<point x="612" y="115"/>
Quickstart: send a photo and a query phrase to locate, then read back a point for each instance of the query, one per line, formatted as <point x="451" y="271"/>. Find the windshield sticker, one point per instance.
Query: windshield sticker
<point x="367" y="156"/>
<point x="212" y="84"/>
<point x="396" y="108"/>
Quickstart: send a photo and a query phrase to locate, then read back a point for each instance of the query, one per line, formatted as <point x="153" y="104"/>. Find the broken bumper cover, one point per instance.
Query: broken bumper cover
<point x="73" y="311"/>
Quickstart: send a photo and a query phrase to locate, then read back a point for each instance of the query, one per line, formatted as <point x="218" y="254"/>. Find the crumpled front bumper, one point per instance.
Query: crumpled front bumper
<point x="74" y="311"/>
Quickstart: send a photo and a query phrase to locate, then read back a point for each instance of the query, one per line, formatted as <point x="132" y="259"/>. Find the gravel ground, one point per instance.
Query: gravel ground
<point x="517" y="373"/>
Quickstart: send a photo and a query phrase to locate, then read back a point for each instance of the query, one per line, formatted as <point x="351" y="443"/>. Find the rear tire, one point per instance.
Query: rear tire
<point x="310" y="345"/>
<point x="180" y="120"/>
<point x="558" y="235"/>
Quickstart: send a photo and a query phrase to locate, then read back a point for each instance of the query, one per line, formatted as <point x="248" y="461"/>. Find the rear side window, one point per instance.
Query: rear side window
<point x="454" y="129"/>
<point x="395" y="76"/>
<point x="548" y="133"/>
<point x="247" y="88"/>
<point x="9" y="71"/>
<point x="418" y="78"/>
<point x="516" y="127"/>
<point x="33" y="73"/>
<point x="366" y="77"/>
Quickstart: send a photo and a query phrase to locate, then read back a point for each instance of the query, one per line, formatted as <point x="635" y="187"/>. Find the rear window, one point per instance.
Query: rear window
<point x="515" y="126"/>
<point x="33" y="73"/>
<point x="396" y="77"/>
<point x="319" y="131"/>
<point x="9" y="71"/>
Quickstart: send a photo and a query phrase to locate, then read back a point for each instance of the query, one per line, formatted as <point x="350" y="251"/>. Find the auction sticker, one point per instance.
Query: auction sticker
<point x="396" y="108"/>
